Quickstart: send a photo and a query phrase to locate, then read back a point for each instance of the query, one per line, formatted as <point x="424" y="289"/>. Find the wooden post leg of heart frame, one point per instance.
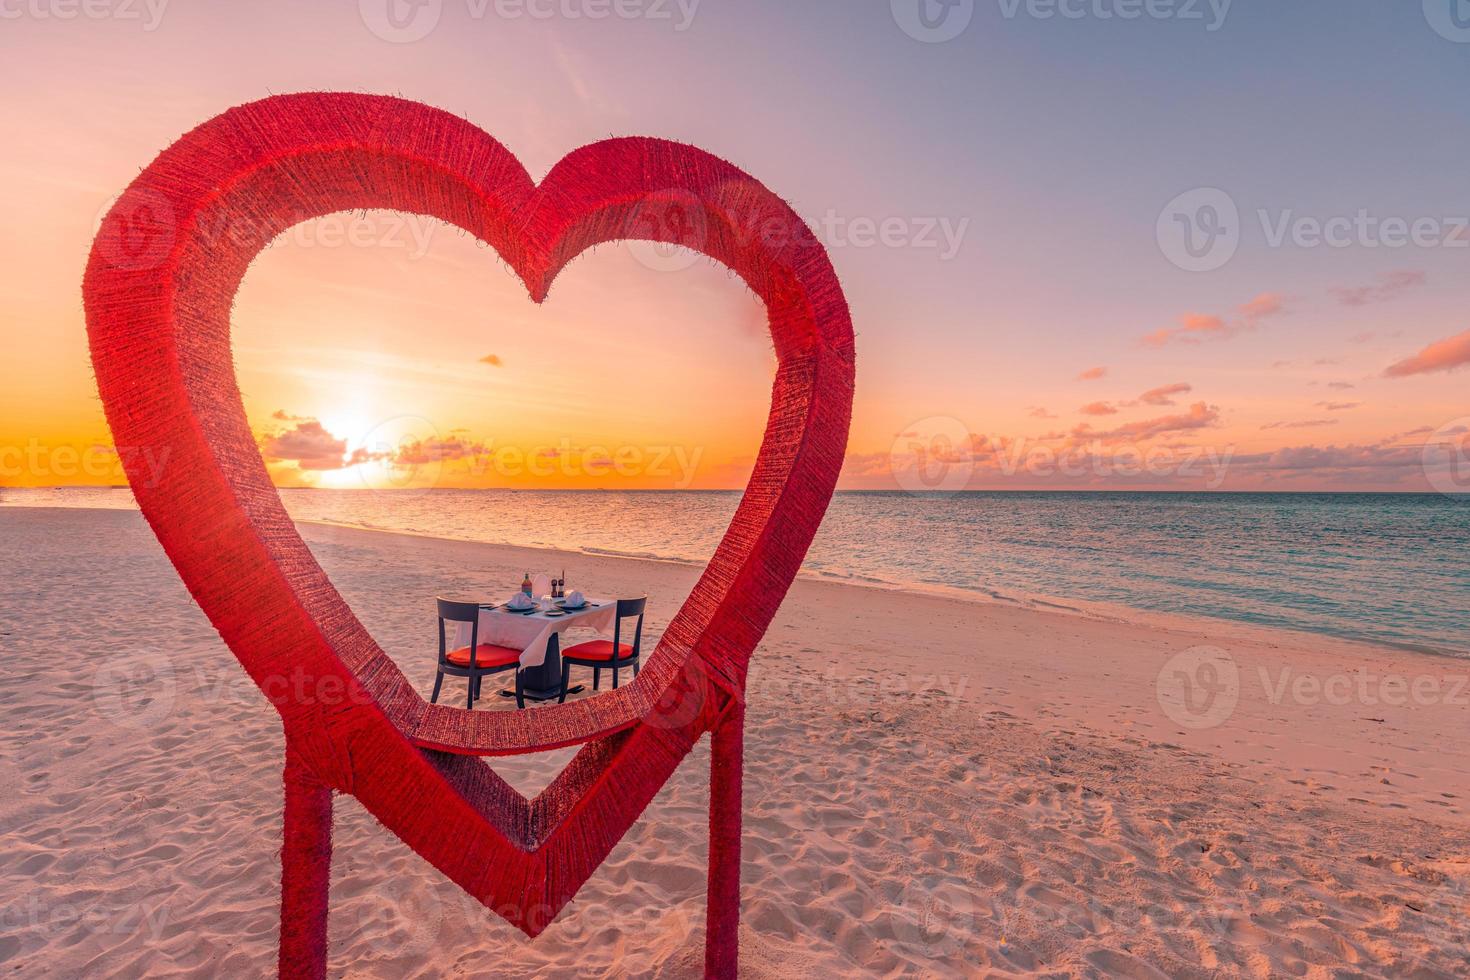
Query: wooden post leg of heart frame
<point x="722" y="914"/>
<point x="306" y="866"/>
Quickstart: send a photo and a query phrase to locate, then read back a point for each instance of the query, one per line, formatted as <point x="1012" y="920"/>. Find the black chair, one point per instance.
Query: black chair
<point x="476" y="660"/>
<point x="611" y="654"/>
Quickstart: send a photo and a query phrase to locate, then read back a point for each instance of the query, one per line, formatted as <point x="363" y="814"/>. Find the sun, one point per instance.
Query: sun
<point x="383" y="451"/>
<point x="354" y="425"/>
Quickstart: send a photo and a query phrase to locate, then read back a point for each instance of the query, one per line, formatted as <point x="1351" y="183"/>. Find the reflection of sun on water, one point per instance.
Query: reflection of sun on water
<point x="347" y="478"/>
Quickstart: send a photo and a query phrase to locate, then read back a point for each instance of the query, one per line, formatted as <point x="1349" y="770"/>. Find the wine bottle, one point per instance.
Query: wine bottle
<point x="526" y="584"/>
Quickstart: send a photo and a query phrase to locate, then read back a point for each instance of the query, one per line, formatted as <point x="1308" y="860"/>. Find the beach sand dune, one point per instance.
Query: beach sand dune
<point x="934" y="788"/>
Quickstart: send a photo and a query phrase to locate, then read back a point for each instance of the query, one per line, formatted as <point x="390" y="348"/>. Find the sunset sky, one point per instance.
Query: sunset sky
<point x="1006" y="209"/>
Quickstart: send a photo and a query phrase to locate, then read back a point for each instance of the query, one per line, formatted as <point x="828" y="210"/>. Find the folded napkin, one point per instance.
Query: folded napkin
<point x="575" y="599"/>
<point x="520" y="601"/>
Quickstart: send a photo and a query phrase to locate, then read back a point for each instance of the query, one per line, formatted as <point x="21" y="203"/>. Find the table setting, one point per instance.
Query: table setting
<point x="534" y="624"/>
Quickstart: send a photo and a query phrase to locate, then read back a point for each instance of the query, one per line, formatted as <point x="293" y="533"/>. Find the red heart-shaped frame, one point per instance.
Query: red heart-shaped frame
<point x="159" y="286"/>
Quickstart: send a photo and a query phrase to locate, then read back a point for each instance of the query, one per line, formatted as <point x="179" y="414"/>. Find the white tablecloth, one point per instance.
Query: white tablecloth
<point x="531" y="633"/>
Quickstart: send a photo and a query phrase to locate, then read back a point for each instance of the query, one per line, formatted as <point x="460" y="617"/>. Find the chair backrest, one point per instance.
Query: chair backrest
<point x="451" y="611"/>
<point x="628" y="608"/>
<point x="459" y="612"/>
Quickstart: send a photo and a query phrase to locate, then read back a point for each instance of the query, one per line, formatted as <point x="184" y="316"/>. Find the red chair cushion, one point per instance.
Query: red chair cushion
<point x="488" y="655"/>
<point x="598" y="650"/>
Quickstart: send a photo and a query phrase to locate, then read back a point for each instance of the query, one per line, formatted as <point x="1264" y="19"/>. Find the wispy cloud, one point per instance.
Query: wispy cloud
<point x="1191" y="327"/>
<point x="590" y="95"/>
<point x="1199" y="416"/>
<point x="1340" y="462"/>
<point x="1303" y="424"/>
<point x="422" y="452"/>
<point x="1194" y="327"/>
<point x="1183" y="442"/>
<point x="493" y="360"/>
<point x="1389" y="286"/>
<point x="1442" y="355"/>
<point x="1093" y="374"/>
<point x="1098" y="408"/>
<point x="1263" y="306"/>
<point x="1164" y="395"/>
<point x="1338" y="406"/>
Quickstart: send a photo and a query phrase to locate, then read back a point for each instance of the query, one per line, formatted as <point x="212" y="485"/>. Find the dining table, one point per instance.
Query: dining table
<point x="537" y="634"/>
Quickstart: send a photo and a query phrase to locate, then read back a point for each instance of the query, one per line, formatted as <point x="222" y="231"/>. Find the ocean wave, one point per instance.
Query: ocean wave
<point x="640" y="555"/>
<point x="1386" y="569"/>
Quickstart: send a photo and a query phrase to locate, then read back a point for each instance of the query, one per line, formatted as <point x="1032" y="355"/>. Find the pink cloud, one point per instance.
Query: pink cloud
<point x="1093" y="374"/>
<point x="309" y="445"/>
<point x="1338" y="406"/>
<point x="1320" y="458"/>
<point x="1263" y="306"/>
<point x="984" y="447"/>
<point x="1191" y="326"/>
<point x="1390" y="285"/>
<point x="422" y="452"/>
<point x="1304" y="424"/>
<point x="1202" y="323"/>
<point x="1442" y="355"/>
<point x="1199" y="416"/>
<point x="1038" y="412"/>
<point x="1110" y="459"/>
<point x="1164" y="395"/>
<point x="1380" y="464"/>
<point x="312" y="448"/>
<point x="1098" y="408"/>
<point x="1194" y="327"/>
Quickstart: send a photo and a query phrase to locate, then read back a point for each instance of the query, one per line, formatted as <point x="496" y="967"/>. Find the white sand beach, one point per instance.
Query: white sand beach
<point x="935" y="787"/>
